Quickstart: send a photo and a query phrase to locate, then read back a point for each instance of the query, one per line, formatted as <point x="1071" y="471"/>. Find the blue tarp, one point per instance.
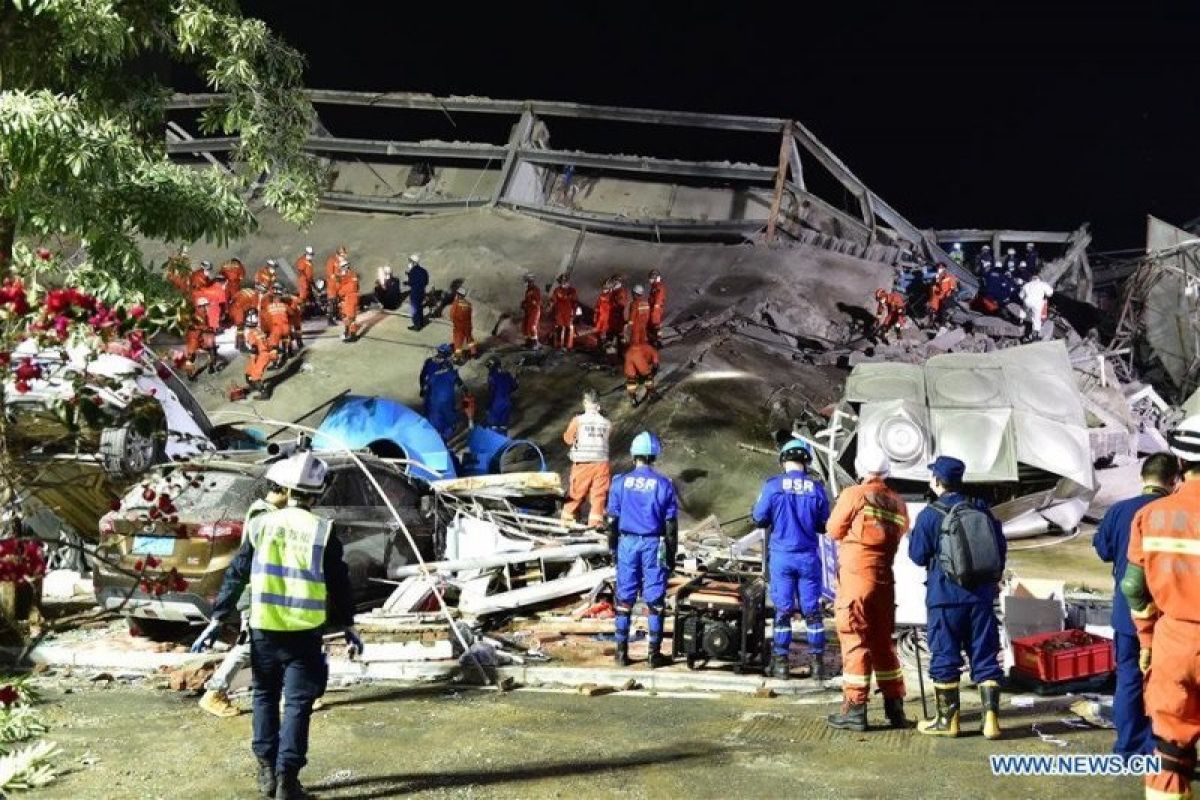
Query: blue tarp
<point x="486" y="447"/>
<point x="355" y="422"/>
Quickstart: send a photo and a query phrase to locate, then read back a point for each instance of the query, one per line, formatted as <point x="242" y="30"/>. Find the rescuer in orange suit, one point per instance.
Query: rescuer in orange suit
<point x="462" y="338"/>
<point x="565" y="302"/>
<point x="261" y="354"/>
<point x="941" y="291"/>
<point x="201" y="335"/>
<point x="200" y="277"/>
<point x="278" y="326"/>
<point x="867" y="522"/>
<point x="639" y="318"/>
<point x="658" y="305"/>
<point x="244" y="301"/>
<point x="591" y="476"/>
<point x="641" y="366"/>
<point x="235" y="275"/>
<point x="1162" y="584"/>
<point x="304" y="276"/>
<point x="531" y="310"/>
<point x="295" y="320"/>
<point x="602" y="318"/>
<point x="332" y="265"/>
<point x="347" y="282"/>
<point x="620" y="310"/>
<point x="266" y="275"/>
<point x="889" y="312"/>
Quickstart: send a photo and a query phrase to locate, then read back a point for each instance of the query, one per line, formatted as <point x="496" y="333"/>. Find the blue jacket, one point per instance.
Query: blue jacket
<point x="923" y="548"/>
<point x="417" y="279"/>
<point x="501" y="385"/>
<point x="796" y="508"/>
<point x="1112" y="545"/>
<point x="643" y="501"/>
<point x="442" y="382"/>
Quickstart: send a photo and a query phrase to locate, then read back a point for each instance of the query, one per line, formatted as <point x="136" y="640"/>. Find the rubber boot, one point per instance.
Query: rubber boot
<point x="780" y="669"/>
<point x="622" y="654"/>
<point x="853" y="717"/>
<point x="817" y="668"/>
<point x="989" y="695"/>
<point x="656" y="659"/>
<point x="217" y="703"/>
<point x="946" y="722"/>
<point x="289" y="787"/>
<point x="266" y="778"/>
<point x="894" y="708"/>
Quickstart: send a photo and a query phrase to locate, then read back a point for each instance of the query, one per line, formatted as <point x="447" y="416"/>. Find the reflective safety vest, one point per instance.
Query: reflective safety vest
<point x="591" y="438"/>
<point x="287" y="579"/>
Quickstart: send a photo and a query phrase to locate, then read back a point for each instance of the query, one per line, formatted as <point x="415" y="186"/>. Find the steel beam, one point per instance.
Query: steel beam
<point x="612" y="223"/>
<point x="981" y="235"/>
<point x="397" y="205"/>
<point x="329" y="144"/>
<point x="650" y="166"/>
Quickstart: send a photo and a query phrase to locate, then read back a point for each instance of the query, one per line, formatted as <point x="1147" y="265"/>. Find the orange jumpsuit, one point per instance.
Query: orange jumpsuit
<point x="531" y="308"/>
<point x="198" y="280"/>
<point x="304" y="278"/>
<point x="943" y="288"/>
<point x="590" y="480"/>
<point x="868" y="521"/>
<point x="889" y="312"/>
<point x="658" y="305"/>
<point x="564" y="299"/>
<point x="347" y="293"/>
<point x="278" y="325"/>
<point x="641" y="365"/>
<point x="261" y="354"/>
<point x="1165" y="542"/>
<point x="178" y="271"/>
<point x="215" y="294"/>
<point x="331" y="278"/>
<point x="604" y="309"/>
<point x="639" y="322"/>
<point x="462" y="337"/>
<point x="264" y="277"/>
<point x="620" y="311"/>
<point x="235" y="276"/>
<point x="295" y="316"/>
<point x="199" y="336"/>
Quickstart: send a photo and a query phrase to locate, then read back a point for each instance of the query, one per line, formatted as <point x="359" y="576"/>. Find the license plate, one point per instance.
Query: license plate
<point x="153" y="545"/>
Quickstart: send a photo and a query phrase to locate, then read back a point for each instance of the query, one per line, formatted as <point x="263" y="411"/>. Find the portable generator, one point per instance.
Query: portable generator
<point x="722" y="616"/>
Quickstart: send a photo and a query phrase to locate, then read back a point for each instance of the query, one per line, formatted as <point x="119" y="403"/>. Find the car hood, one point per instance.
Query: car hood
<point x="355" y="422"/>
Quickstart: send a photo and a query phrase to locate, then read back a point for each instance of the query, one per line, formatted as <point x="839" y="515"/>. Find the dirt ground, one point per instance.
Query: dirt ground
<point x="440" y="741"/>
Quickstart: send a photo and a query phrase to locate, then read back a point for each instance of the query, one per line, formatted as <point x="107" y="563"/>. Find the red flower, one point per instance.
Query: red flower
<point x="43" y="253"/>
<point x="139" y="565"/>
<point x="137" y="312"/>
<point x="152" y="562"/>
<point x="8" y="695"/>
<point x="27" y="370"/>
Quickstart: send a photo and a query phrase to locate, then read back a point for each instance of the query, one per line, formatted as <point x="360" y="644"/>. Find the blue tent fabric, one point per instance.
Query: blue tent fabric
<point x="486" y="448"/>
<point x="355" y="422"/>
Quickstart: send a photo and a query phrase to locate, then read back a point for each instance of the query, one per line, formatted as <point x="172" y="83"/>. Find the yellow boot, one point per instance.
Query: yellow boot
<point x="946" y="722"/>
<point x="218" y="704"/>
<point x="989" y="694"/>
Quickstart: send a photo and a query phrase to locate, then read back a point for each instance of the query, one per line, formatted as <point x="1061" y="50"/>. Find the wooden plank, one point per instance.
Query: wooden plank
<point x="785" y="146"/>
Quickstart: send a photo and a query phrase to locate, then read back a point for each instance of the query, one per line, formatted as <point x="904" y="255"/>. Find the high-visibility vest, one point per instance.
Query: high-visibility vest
<point x="287" y="579"/>
<point x="591" y="439"/>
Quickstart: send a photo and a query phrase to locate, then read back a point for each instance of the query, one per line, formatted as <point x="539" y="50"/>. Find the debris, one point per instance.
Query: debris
<point x="765" y="692"/>
<point x="193" y="676"/>
<point x="595" y="689"/>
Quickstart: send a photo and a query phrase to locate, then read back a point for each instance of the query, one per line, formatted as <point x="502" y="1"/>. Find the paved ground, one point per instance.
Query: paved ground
<point x="380" y="741"/>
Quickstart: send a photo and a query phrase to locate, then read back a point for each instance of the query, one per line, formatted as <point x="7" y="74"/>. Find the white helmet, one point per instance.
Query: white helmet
<point x="415" y="258"/>
<point x="876" y="463"/>
<point x="1184" y="440"/>
<point x="957" y="246"/>
<point x="308" y="250"/>
<point x="639" y="289"/>
<point x="302" y="472"/>
<point x="387" y="270"/>
<point x="1012" y="251"/>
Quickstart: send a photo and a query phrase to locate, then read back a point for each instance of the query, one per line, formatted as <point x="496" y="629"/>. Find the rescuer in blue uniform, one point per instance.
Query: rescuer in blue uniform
<point x="1159" y="474"/>
<point x="417" y="278"/>
<point x="643" y="532"/>
<point x="794" y="507"/>
<point x="958" y="618"/>
<point x="501" y="386"/>
<point x="439" y="386"/>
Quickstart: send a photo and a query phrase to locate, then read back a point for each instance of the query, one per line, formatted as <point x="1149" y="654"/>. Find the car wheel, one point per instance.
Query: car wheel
<point x="158" y="630"/>
<point x="127" y="453"/>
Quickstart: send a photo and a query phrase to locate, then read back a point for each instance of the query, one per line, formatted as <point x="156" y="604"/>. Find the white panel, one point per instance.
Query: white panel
<point x="1053" y="396"/>
<point x="901" y="431"/>
<point x="1055" y="447"/>
<point x="982" y="438"/>
<point x="971" y="387"/>
<point x="869" y="382"/>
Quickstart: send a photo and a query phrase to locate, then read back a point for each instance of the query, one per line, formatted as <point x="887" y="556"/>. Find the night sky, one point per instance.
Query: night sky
<point x="959" y="115"/>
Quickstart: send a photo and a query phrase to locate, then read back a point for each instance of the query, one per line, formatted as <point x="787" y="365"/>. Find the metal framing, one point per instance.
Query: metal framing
<point x="521" y="152"/>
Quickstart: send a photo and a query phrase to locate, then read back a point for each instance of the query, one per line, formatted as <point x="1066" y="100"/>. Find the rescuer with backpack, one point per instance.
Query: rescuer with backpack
<point x="962" y="546"/>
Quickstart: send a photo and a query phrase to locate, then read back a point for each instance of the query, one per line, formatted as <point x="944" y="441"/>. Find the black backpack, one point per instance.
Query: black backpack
<point x="967" y="550"/>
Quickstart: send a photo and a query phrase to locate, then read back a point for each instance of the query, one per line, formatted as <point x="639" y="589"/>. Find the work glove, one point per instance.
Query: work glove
<point x="353" y="642"/>
<point x="1144" y="660"/>
<point x="207" y="637"/>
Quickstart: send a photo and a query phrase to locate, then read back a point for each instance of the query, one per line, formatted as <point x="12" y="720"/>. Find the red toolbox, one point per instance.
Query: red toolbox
<point x="1063" y="655"/>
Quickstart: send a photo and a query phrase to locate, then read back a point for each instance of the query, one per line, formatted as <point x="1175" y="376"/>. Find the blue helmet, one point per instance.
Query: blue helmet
<point x="444" y="349"/>
<point x="645" y="444"/>
<point x="795" y="450"/>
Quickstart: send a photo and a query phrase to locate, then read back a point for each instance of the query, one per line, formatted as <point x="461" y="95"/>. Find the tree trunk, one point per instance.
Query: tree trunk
<point x="8" y="235"/>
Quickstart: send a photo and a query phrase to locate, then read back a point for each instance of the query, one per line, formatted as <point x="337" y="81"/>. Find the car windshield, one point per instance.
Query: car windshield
<point x="197" y="492"/>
